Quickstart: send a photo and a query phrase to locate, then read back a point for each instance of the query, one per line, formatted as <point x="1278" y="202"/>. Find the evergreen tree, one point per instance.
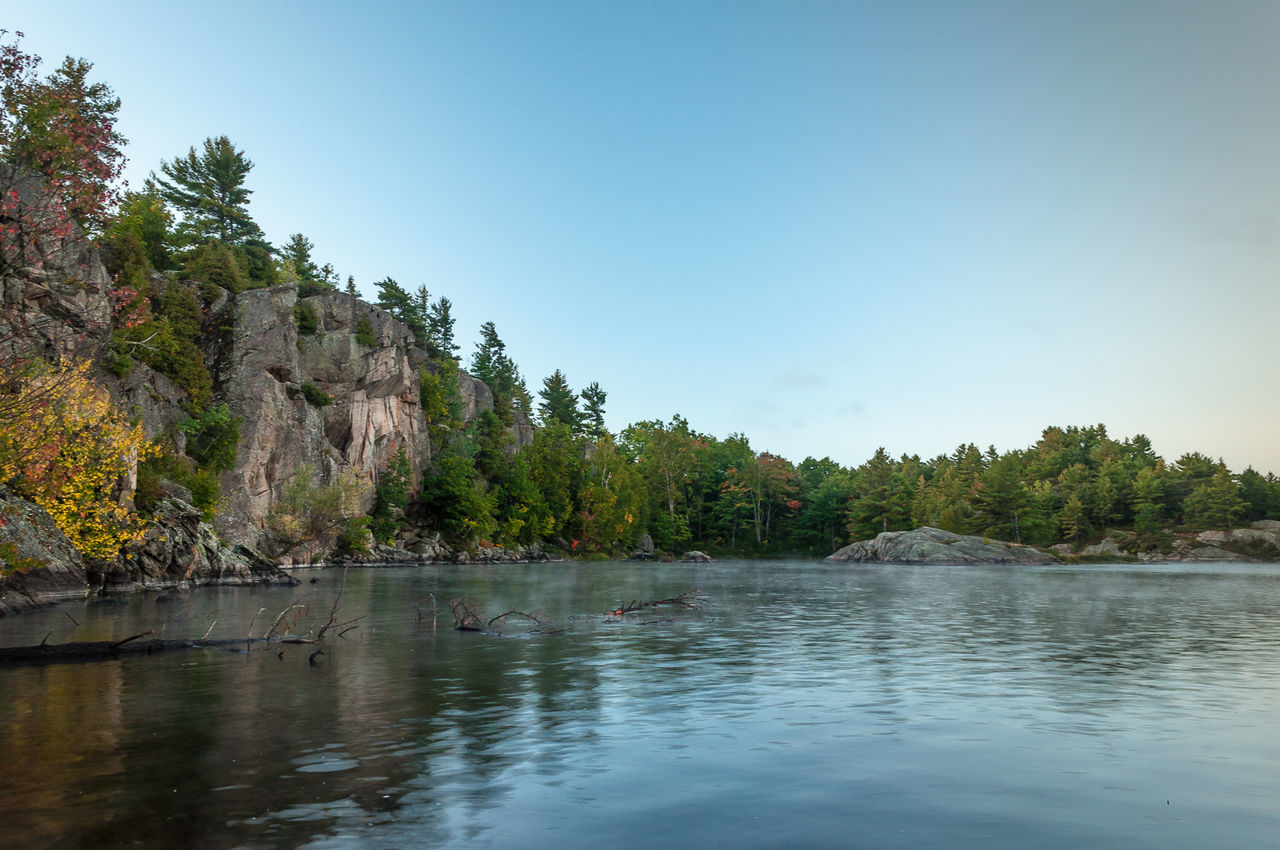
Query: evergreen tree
<point x="208" y="190"/>
<point x="420" y="313"/>
<point x="559" y="403"/>
<point x="390" y="497"/>
<point x="297" y="253"/>
<point x="440" y="328"/>
<point x="491" y="364"/>
<point x="881" y="502"/>
<point x="593" y="409"/>
<point x="1216" y="503"/>
<point x="395" y="300"/>
<point x="351" y="286"/>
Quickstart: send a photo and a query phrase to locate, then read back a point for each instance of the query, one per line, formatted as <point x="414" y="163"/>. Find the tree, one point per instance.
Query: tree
<point x="393" y="298"/>
<point x="208" y="190"/>
<point x="65" y="446"/>
<point x="452" y="497"/>
<point x="145" y="215"/>
<point x="1215" y="503"/>
<point x="440" y="329"/>
<point x="296" y="255"/>
<point x="593" y="409"/>
<point x="390" y="497"/>
<point x="1002" y="499"/>
<point x="312" y="514"/>
<point x="491" y="364"/>
<point x="60" y="158"/>
<point x="62" y="128"/>
<point x="880" y="501"/>
<point x="559" y="403"/>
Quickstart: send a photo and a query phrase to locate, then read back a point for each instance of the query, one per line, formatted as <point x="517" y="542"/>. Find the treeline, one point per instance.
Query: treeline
<point x="598" y="491"/>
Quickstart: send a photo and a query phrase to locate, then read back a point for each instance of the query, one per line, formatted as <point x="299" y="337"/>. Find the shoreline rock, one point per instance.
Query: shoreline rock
<point x="927" y="545"/>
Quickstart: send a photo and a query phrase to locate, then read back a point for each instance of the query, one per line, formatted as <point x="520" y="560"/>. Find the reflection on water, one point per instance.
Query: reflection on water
<point x="807" y="705"/>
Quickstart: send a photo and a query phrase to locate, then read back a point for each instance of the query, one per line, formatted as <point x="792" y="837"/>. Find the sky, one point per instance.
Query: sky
<point x="829" y="226"/>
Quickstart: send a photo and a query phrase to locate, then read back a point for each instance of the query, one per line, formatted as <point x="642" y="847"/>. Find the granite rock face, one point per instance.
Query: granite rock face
<point x="927" y="545"/>
<point x="38" y="564"/>
<point x="260" y="370"/>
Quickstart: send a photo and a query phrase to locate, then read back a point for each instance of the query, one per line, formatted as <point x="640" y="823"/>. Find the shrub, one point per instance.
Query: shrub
<point x="308" y="319"/>
<point x="364" y="332"/>
<point x="316" y="396"/>
<point x="214" y="265"/>
<point x="212" y="438"/>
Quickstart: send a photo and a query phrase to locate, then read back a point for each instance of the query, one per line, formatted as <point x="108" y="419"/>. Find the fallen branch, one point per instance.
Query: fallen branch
<point x="333" y="611"/>
<point x="465" y="618"/>
<point x="120" y="643"/>
<point x="689" y="599"/>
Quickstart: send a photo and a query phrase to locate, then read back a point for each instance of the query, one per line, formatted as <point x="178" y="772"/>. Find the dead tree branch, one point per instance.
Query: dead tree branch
<point x="689" y="599"/>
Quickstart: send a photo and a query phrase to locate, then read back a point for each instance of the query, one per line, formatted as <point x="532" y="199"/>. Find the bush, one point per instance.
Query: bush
<point x="308" y="319"/>
<point x="364" y="332"/>
<point x="316" y="396"/>
<point x="354" y="539"/>
<point x="212" y="438"/>
<point x="214" y="265"/>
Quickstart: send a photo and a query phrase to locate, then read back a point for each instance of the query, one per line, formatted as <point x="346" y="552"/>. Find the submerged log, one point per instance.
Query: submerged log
<point x="99" y="650"/>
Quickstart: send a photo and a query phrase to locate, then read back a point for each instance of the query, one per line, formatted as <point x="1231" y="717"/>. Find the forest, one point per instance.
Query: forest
<point x="183" y="239"/>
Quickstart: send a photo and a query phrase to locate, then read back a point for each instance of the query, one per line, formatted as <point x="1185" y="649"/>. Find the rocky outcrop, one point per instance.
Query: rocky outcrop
<point x="261" y="366"/>
<point x="260" y="372"/>
<point x="696" y="557"/>
<point x="1260" y="541"/>
<point x="928" y="545"/>
<point x="180" y="550"/>
<point x="38" y="564"/>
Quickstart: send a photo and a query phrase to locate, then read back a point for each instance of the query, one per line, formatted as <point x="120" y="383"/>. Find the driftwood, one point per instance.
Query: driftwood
<point x="688" y="599"/>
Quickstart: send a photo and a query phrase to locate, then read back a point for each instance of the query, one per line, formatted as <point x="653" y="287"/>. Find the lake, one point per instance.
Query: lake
<point x="804" y="705"/>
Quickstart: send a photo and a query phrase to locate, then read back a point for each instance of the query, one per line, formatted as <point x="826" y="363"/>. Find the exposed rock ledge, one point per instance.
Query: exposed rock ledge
<point x="39" y="565"/>
<point x="928" y="545"/>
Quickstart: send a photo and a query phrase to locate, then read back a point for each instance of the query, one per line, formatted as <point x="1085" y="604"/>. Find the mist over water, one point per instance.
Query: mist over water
<point x="807" y="704"/>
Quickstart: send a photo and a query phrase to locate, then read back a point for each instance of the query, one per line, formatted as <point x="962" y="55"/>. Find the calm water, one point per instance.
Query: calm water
<point x="808" y="705"/>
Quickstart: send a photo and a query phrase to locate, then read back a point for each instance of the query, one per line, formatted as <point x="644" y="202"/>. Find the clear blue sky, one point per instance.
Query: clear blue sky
<point x="829" y="226"/>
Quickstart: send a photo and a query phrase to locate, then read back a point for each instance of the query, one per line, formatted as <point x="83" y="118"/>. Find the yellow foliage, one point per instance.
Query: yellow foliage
<point x="65" y="446"/>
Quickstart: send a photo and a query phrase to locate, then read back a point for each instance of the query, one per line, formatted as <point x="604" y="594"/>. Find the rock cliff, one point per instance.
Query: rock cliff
<point x="928" y="545"/>
<point x="260" y="366"/>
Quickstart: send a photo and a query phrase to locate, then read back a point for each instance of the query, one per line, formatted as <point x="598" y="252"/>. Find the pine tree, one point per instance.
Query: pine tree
<point x="393" y="298"/>
<point x="559" y="403"/>
<point x="499" y="372"/>
<point x="297" y="252"/>
<point x="208" y="190"/>
<point x="593" y="409"/>
<point x="440" y="328"/>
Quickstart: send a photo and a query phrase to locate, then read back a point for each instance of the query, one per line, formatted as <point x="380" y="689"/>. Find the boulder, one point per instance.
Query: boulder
<point x="1106" y="547"/>
<point x="927" y="545"/>
<point x="644" y="548"/>
<point x="696" y="557"/>
<point x="38" y="564"/>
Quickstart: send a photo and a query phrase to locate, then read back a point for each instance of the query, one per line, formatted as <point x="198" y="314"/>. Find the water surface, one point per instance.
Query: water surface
<point x="816" y="705"/>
